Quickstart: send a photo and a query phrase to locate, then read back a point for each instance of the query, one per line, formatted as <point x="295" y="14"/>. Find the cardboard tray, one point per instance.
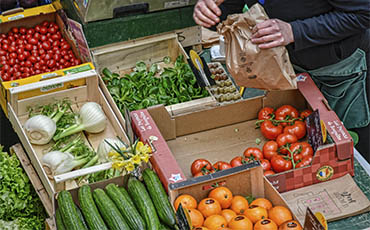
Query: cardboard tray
<point x="47" y="13"/>
<point x="122" y="57"/>
<point x="18" y="114"/>
<point x="19" y="12"/>
<point x="224" y="132"/>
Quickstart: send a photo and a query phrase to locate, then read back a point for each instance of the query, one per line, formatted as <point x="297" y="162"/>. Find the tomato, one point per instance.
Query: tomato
<point x="237" y="161"/>
<point x="304" y="162"/>
<point x="253" y="154"/>
<point x="280" y="163"/>
<point x="32" y="41"/>
<point x="21" y="57"/>
<point x="305" y="113"/>
<point x="221" y="165"/>
<point x="265" y="113"/>
<point x="286" y="112"/>
<point x="13" y="55"/>
<point x="52" y="30"/>
<point x="298" y="129"/>
<point x="56" y="37"/>
<point x="22" y="30"/>
<point x="266" y="165"/>
<point x="43" y="30"/>
<point x="31" y="31"/>
<point x="270" y="131"/>
<point x="199" y="164"/>
<point x="65" y="46"/>
<point x="46" y="45"/>
<point x="45" y="24"/>
<point x="51" y="63"/>
<point x="301" y="150"/>
<point x="284" y="139"/>
<point x="12" y="49"/>
<point x="37" y="36"/>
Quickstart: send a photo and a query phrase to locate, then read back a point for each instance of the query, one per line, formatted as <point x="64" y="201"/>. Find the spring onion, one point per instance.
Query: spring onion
<point x="92" y="119"/>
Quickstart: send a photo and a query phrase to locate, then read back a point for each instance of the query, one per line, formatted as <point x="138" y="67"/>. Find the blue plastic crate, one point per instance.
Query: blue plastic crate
<point x="41" y="2"/>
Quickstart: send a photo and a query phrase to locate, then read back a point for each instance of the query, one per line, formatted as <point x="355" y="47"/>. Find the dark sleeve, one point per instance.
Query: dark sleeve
<point x="232" y="7"/>
<point x="347" y="18"/>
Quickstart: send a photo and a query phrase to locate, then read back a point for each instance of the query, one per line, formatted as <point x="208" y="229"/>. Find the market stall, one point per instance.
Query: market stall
<point x="126" y="122"/>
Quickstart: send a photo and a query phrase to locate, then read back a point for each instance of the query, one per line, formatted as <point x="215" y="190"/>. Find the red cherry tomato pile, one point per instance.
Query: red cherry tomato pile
<point x="27" y="52"/>
<point x="284" y="128"/>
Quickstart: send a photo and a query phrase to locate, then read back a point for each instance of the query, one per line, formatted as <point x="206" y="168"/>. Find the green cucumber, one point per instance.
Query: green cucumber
<point x="89" y="209"/>
<point x="109" y="211"/>
<point x="159" y="197"/>
<point x="126" y="207"/>
<point x="68" y="212"/>
<point x="81" y="217"/>
<point x="59" y="220"/>
<point x="144" y="204"/>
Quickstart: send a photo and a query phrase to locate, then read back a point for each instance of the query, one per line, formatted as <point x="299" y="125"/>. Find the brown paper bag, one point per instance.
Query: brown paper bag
<point x="250" y="66"/>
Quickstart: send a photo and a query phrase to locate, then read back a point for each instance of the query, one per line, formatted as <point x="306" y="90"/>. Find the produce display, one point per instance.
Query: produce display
<point x="224" y="210"/>
<point x="283" y="151"/>
<point x="25" y="52"/>
<point x="224" y="90"/>
<point x="143" y="205"/>
<point x="145" y="87"/>
<point x="20" y="207"/>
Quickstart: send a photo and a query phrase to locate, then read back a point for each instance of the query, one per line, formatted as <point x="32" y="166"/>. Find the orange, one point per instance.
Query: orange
<point x="209" y="207"/>
<point x="200" y="228"/>
<point x="290" y="225"/>
<point x="255" y="213"/>
<point x="187" y="202"/>
<point x="196" y="217"/>
<point x="241" y="222"/>
<point x="224" y="228"/>
<point x="215" y="222"/>
<point x="228" y="214"/>
<point x="239" y="204"/>
<point x="280" y="214"/>
<point x="265" y="224"/>
<point x="262" y="202"/>
<point x="223" y="195"/>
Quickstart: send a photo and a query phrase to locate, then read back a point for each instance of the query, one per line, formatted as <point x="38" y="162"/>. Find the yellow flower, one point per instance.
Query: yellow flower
<point x="136" y="159"/>
<point x="130" y="167"/>
<point x="113" y="154"/>
<point x="145" y="157"/>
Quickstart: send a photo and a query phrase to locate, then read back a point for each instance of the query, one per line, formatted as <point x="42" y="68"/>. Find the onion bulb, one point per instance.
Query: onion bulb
<point x="40" y="129"/>
<point x="62" y="162"/>
<point x="104" y="148"/>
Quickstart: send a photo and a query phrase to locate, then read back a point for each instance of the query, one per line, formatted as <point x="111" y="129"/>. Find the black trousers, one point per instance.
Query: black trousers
<point x="319" y="56"/>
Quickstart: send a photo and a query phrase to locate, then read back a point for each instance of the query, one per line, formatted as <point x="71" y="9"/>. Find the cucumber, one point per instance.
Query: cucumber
<point x="68" y="212"/>
<point x="109" y="211"/>
<point x="125" y="206"/>
<point x="164" y="227"/>
<point x="81" y="216"/>
<point x="159" y="197"/>
<point x="143" y="203"/>
<point x="89" y="209"/>
<point x="59" y="220"/>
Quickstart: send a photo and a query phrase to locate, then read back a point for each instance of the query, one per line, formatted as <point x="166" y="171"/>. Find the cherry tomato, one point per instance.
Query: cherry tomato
<point x="28" y="63"/>
<point x="13" y="55"/>
<point x="221" y="165"/>
<point x="28" y="47"/>
<point x="253" y="153"/>
<point x="46" y="45"/>
<point x="22" y="30"/>
<point x="280" y="164"/>
<point x="298" y="129"/>
<point x="301" y="150"/>
<point x="56" y="43"/>
<point x="304" y="162"/>
<point x="237" y="161"/>
<point x="283" y="139"/>
<point x="270" y="131"/>
<point x="65" y="46"/>
<point x="305" y="113"/>
<point x="12" y="49"/>
<point x="266" y="165"/>
<point x="21" y="57"/>
<point x="2" y="52"/>
<point x="265" y="113"/>
<point x="268" y="172"/>
<point x="43" y="30"/>
<point x="32" y="41"/>
<point x="45" y="24"/>
<point x="56" y="37"/>
<point x="199" y="164"/>
<point x="32" y="59"/>
<point x="77" y="62"/>
<point x="52" y="30"/>
<point x="51" y="63"/>
<point x="37" y="36"/>
<point x="31" y="31"/>
<point x="43" y="38"/>
<point x="286" y="112"/>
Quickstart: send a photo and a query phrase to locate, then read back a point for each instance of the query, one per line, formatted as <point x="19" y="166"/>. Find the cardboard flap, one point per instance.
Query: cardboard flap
<point x="164" y="121"/>
<point x="336" y="129"/>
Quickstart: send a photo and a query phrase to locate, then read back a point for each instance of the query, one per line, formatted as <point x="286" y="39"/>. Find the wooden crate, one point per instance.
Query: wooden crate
<point x="122" y="57"/>
<point x="18" y="115"/>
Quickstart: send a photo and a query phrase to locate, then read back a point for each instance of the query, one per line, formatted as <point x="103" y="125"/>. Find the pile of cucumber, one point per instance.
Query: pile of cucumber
<point x="143" y="206"/>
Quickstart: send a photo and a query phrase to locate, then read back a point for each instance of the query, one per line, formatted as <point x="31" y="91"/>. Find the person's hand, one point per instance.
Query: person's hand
<point x="206" y="12"/>
<point x="272" y="33"/>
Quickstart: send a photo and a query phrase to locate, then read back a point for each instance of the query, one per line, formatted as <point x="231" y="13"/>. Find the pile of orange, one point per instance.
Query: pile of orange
<point x="222" y="210"/>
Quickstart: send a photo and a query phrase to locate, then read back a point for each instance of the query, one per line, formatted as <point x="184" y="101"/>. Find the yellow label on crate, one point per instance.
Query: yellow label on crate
<point x="323" y="130"/>
<point x="45" y="9"/>
<point x="321" y="218"/>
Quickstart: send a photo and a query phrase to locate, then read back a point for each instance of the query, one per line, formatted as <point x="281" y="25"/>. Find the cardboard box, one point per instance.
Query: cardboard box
<point x="19" y="12"/>
<point x="90" y="91"/>
<point x="221" y="133"/>
<point x="31" y="19"/>
<point x="122" y="57"/>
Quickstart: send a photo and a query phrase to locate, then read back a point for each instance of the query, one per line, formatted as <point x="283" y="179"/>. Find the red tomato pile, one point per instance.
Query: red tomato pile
<point x="284" y="128"/>
<point x="27" y="52"/>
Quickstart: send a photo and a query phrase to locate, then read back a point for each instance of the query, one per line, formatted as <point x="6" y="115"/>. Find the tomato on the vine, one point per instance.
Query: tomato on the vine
<point x="286" y="112"/>
<point x="301" y="150"/>
<point x="221" y="165"/>
<point x="281" y="164"/>
<point x="266" y="165"/>
<point x="199" y="164"/>
<point x="283" y="140"/>
<point x="268" y="172"/>
<point x="298" y="128"/>
<point x="253" y="154"/>
<point x="305" y="113"/>
<point x="271" y="131"/>
<point x="304" y="162"/>
<point x="237" y="161"/>
<point x="265" y="113"/>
